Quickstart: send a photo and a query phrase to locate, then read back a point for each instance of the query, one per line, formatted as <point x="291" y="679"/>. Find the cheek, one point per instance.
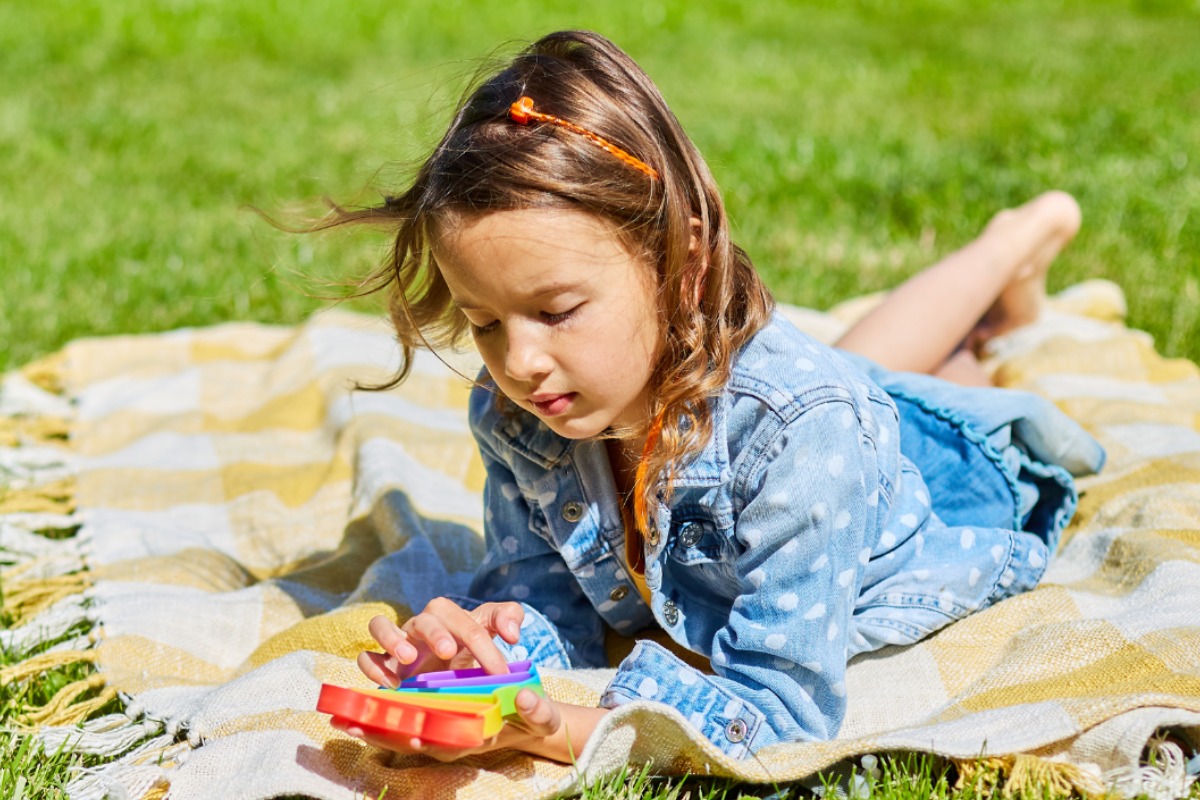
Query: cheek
<point x="493" y="359"/>
<point x="645" y="340"/>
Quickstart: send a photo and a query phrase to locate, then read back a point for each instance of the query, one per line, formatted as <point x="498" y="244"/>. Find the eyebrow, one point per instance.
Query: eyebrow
<point x="549" y="289"/>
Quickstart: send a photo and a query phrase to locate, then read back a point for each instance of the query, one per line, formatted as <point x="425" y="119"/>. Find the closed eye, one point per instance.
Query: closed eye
<point x="552" y="319"/>
<point x="556" y="319"/>
<point x="480" y="330"/>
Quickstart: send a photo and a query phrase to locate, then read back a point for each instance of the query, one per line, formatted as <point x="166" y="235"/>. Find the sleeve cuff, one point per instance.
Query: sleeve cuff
<point x="651" y="672"/>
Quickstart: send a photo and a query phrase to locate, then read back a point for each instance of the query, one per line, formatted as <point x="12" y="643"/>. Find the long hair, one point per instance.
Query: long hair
<point x="711" y="300"/>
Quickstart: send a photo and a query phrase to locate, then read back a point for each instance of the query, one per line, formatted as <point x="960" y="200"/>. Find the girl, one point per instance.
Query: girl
<point x="662" y="449"/>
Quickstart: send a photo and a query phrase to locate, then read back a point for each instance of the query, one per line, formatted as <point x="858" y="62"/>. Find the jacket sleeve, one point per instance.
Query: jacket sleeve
<point x="780" y="659"/>
<point x="561" y="628"/>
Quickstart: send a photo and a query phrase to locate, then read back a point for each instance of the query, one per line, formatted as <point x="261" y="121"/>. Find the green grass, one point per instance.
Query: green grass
<point x="25" y="771"/>
<point x="855" y="141"/>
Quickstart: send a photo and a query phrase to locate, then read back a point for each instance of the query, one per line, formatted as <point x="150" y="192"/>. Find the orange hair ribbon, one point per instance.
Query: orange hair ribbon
<point x="522" y="112"/>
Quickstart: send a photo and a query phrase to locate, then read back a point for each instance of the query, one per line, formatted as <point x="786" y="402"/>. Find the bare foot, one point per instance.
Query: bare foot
<point x="1034" y="233"/>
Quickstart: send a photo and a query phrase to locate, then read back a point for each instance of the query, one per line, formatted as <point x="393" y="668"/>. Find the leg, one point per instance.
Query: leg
<point x="963" y="368"/>
<point x="992" y="285"/>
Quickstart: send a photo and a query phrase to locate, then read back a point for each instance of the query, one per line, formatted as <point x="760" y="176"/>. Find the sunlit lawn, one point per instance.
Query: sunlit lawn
<point x="855" y="141"/>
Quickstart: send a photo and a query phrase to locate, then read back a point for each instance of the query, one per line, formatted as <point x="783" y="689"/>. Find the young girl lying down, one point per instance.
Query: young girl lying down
<point x="664" y="449"/>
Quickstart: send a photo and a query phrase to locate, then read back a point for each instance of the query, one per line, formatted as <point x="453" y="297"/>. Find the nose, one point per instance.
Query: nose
<point x="526" y="357"/>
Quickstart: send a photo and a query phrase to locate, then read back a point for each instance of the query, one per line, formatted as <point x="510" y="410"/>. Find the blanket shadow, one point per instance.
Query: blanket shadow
<point x="393" y="554"/>
<point x="373" y="772"/>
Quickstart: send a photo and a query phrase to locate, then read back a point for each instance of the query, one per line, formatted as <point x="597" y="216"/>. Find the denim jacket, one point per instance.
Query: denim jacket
<point x="836" y="509"/>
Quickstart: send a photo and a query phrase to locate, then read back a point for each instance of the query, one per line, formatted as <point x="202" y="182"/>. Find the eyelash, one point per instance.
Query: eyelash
<point x="549" y="319"/>
<point x="557" y="319"/>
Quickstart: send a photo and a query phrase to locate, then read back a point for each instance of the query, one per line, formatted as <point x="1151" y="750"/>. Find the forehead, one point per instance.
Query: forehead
<point x="546" y="247"/>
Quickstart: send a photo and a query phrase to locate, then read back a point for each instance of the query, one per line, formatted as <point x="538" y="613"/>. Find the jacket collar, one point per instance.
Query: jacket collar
<point x="710" y="467"/>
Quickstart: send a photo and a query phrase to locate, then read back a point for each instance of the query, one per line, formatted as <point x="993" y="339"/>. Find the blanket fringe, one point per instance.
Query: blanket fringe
<point x="56" y="497"/>
<point x="67" y="560"/>
<point x="35" y="556"/>
<point x="17" y="431"/>
<point x="108" y="736"/>
<point x="28" y="467"/>
<point x="134" y="781"/>
<point x="22" y="538"/>
<point x="24" y="600"/>
<point x="1165" y="777"/>
<point x="1023" y="775"/>
<point x="44" y="662"/>
<point x="140" y="774"/>
<point x="48" y="626"/>
<point x="47" y="373"/>
<point x="35" y="392"/>
<point x="62" y="708"/>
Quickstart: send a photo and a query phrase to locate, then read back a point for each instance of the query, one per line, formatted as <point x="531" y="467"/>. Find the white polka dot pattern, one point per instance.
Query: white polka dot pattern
<point x="812" y="505"/>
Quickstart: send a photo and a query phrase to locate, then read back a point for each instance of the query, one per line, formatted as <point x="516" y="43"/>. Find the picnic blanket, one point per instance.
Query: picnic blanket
<point x="208" y="518"/>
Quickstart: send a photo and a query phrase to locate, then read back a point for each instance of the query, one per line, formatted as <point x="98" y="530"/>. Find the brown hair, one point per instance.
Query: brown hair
<point x="711" y="301"/>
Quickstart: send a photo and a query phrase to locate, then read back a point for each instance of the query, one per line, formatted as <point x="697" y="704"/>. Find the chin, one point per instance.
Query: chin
<point x="574" y="428"/>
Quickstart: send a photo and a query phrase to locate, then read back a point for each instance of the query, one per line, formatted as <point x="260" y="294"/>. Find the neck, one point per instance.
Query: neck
<point x="624" y="456"/>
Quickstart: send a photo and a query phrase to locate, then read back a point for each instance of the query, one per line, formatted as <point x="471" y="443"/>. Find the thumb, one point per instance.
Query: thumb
<point x="539" y="715"/>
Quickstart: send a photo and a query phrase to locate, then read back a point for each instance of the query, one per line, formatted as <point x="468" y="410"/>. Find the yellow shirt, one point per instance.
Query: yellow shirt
<point x="635" y="559"/>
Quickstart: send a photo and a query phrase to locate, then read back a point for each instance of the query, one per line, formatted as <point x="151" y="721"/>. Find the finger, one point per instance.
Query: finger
<point x="446" y="627"/>
<point x="477" y="639"/>
<point x="428" y="630"/>
<point x="398" y="743"/>
<point x="380" y="668"/>
<point x="502" y="618"/>
<point x="539" y="715"/>
<point x="392" y="639"/>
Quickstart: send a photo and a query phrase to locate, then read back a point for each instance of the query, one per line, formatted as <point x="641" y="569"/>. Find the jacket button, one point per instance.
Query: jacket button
<point x="572" y="511"/>
<point x="735" y="731"/>
<point x="618" y="593"/>
<point x="652" y="536"/>
<point x="690" y="534"/>
<point x="670" y="612"/>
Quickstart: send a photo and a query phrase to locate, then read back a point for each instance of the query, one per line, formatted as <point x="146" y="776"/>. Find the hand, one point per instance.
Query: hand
<point x="543" y="727"/>
<point x="443" y="636"/>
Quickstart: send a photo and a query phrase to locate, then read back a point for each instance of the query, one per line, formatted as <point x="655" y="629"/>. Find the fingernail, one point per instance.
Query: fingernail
<point x="513" y="628"/>
<point x="526" y="701"/>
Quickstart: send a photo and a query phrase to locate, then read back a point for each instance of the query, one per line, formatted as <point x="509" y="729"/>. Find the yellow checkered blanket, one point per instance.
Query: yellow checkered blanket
<point x="239" y="513"/>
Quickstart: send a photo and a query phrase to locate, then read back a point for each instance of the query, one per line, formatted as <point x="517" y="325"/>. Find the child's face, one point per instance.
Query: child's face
<point x="564" y="317"/>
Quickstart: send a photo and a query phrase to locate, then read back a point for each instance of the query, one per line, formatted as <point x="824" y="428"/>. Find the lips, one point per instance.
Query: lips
<point x="551" y="405"/>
